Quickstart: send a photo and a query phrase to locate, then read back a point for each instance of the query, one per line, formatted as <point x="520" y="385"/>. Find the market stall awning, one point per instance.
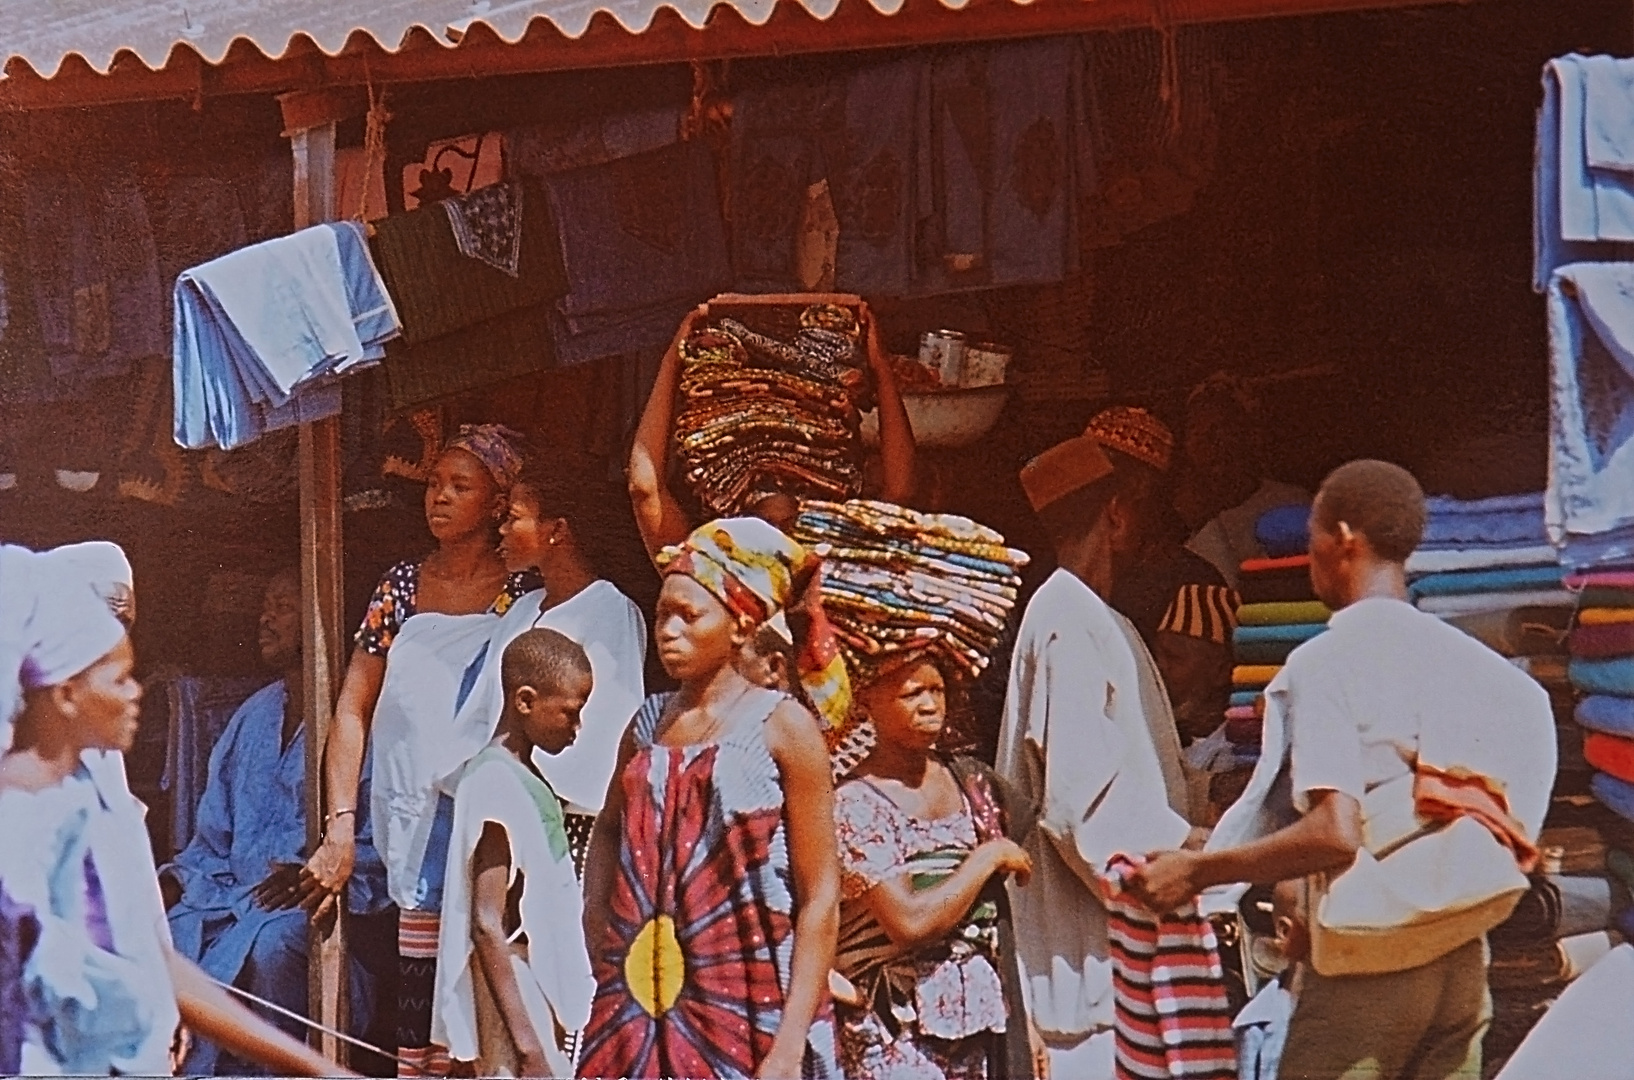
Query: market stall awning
<point x="86" y="51"/>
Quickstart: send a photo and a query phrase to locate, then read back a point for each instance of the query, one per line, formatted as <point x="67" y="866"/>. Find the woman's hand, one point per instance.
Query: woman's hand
<point x="1009" y="858"/>
<point x="329" y="868"/>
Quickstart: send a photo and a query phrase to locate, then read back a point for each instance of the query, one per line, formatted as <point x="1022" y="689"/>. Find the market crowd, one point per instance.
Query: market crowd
<point x="786" y="865"/>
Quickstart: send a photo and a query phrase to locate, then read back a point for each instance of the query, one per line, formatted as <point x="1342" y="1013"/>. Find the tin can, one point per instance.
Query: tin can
<point x="986" y="363"/>
<point x="943" y="351"/>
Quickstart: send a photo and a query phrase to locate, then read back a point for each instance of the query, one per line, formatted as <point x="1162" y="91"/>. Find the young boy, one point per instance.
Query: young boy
<point x="1262" y="1026"/>
<point x="512" y="976"/>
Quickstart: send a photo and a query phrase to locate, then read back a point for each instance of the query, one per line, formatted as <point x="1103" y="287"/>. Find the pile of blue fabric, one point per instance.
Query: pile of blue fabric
<point x="1487" y="567"/>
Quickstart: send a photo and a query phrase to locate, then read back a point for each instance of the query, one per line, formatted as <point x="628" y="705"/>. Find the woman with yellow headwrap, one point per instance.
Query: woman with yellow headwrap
<point x="712" y="884"/>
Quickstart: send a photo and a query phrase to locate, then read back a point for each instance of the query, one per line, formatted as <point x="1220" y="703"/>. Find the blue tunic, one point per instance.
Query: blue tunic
<point x="252" y="815"/>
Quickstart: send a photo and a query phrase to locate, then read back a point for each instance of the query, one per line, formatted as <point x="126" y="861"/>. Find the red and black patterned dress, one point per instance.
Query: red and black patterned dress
<point x="694" y="968"/>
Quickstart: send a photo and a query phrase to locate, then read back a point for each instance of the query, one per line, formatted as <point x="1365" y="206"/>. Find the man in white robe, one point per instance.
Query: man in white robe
<point x="1077" y="742"/>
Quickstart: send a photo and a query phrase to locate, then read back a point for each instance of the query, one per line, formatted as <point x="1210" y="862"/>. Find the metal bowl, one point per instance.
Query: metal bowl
<point x="944" y="419"/>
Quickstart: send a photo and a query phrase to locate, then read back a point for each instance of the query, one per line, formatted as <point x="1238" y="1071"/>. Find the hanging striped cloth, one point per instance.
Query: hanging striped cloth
<point x="1173" y="1019"/>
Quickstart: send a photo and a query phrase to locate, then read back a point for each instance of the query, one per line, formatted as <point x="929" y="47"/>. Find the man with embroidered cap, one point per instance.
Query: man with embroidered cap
<point x="1153" y="564"/>
<point x="1083" y="740"/>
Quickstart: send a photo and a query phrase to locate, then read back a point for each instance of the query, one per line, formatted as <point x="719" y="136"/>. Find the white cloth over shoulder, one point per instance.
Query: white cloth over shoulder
<point x="417" y="744"/>
<point x="610" y="628"/>
<point x="554" y="978"/>
<point x="1075" y="741"/>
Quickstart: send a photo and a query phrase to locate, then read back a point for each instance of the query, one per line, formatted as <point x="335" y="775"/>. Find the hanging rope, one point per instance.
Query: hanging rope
<point x="374" y="147"/>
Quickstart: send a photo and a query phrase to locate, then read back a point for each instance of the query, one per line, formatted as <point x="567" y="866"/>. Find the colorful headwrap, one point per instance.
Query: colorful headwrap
<point x="495" y="446"/>
<point x="759" y="574"/>
<point x="1135" y="432"/>
<point x="1203" y="611"/>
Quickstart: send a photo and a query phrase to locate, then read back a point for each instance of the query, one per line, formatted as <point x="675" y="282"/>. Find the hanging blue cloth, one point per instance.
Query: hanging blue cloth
<point x="642" y="240"/>
<point x="870" y="168"/>
<point x="261" y="333"/>
<point x="1591" y="360"/>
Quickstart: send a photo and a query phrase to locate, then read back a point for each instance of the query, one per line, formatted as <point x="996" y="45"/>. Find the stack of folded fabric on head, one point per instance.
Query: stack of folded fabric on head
<point x="767" y="415"/>
<point x="896" y="581"/>
<point x="1602" y="669"/>
<point x="1279" y="613"/>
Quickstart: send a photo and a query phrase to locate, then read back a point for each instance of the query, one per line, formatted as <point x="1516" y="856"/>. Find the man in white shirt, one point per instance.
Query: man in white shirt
<point x="1387" y="693"/>
<point x="1077" y="742"/>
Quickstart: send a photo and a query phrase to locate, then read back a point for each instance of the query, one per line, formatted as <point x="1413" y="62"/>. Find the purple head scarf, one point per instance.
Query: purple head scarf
<point x="495" y="446"/>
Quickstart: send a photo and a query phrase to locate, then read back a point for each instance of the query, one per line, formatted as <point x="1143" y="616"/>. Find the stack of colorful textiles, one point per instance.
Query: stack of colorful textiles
<point x="898" y="581"/>
<point x="1484" y="534"/>
<point x="1279" y="613"/>
<point x="765" y="416"/>
<point x="1602" y="668"/>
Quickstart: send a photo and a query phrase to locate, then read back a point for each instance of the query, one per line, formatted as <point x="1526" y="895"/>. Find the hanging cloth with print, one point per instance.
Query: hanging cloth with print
<point x="487" y="225"/>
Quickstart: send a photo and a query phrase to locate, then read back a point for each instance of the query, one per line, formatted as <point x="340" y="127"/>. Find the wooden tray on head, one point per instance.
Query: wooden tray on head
<point x="777" y="315"/>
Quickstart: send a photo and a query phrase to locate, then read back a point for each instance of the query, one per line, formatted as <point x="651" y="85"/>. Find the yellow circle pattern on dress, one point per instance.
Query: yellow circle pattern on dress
<point x="655" y="968"/>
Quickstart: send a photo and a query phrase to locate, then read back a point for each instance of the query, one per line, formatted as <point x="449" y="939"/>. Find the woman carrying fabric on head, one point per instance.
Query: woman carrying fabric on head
<point x="925" y="940"/>
<point x="427" y="622"/>
<point x="712" y="888"/>
<point x="659" y="515"/>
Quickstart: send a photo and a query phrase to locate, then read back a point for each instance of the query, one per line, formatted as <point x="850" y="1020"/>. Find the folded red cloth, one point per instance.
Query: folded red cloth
<point x="1611" y="754"/>
<point x="1288" y="562"/>
<point x="1244" y="732"/>
<point x="1446" y="795"/>
<point x="1601" y="642"/>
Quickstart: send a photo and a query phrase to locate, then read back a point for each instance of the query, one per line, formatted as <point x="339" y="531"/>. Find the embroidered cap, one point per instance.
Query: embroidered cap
<point x="1136" y="432"/>
<point x="1063" y="469"/>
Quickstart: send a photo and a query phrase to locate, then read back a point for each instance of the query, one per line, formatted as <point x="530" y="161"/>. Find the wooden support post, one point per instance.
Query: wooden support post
<point x="321" y="633"/>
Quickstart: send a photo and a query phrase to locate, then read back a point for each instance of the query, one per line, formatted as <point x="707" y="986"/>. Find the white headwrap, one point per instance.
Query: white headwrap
<point x="101" y="563"/>
<point x="53" y="625"/>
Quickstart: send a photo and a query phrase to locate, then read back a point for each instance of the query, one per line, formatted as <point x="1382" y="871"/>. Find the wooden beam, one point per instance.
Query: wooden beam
<point x="321" y="635"/>
<point x="855" y="25"/>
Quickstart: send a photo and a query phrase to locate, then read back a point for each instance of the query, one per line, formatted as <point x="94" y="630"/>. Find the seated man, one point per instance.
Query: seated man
<point x="235" y="894"/>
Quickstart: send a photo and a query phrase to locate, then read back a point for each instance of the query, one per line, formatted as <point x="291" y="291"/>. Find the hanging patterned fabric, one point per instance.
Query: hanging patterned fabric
<point x="487" y="225"/>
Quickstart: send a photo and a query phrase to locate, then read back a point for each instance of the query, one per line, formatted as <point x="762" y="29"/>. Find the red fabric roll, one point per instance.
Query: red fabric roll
<point x="1610" y="754"/>
<point x="1600" y="642"/>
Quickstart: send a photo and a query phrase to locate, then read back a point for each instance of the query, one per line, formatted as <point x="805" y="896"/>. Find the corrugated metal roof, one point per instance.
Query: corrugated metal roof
<point x="99" y="30"/>
<point x="38" y="36"/>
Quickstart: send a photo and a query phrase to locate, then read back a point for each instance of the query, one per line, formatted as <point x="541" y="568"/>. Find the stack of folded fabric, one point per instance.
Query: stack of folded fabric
<point x="897" y="581"/>
<point x="1602" y="668"/>
<point x="1486" y="556"/>
<point x="765" y="415"/>
<point x="1278" y="614"/>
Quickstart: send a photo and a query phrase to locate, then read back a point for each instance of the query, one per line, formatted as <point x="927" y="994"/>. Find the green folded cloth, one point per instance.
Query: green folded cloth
<point x="1284" y="613"/>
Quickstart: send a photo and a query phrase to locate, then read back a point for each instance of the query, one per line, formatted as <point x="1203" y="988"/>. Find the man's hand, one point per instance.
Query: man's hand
<point x="281" y="889"/>
<point x="1168" y="880"/>
<point x="170" y="890"/>
<point x="290" y="886"/>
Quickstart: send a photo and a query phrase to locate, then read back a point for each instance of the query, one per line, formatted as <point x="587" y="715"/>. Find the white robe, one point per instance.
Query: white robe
<point x="554" y="977"/>
<point x="1076" y="741"/>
